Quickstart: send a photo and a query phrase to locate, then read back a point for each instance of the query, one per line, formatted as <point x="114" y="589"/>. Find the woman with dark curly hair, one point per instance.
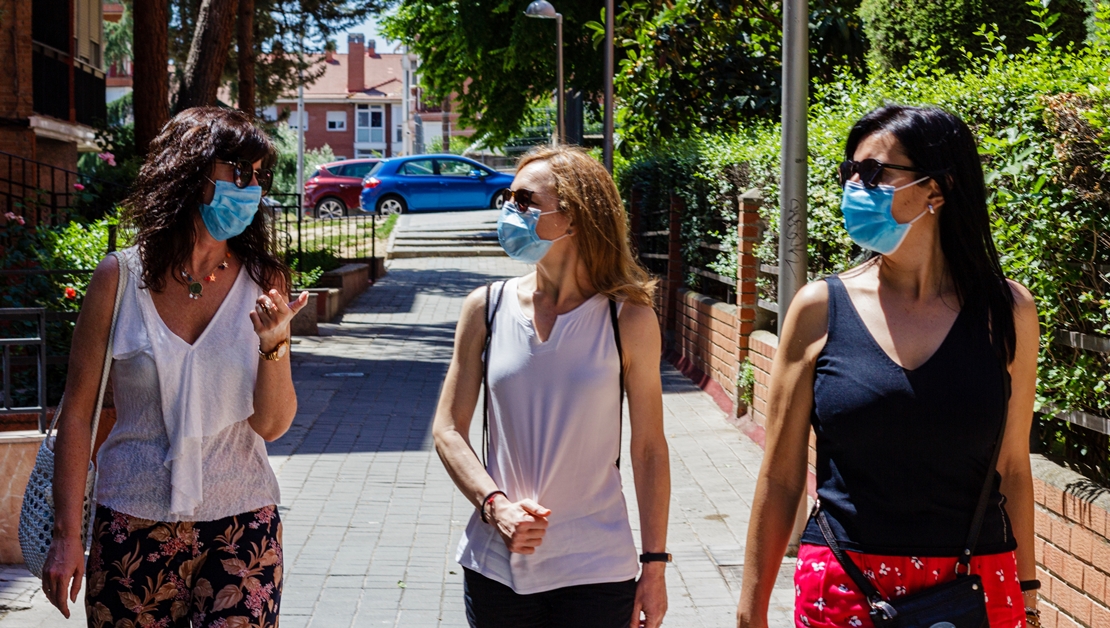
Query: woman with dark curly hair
<point x="186" y="526"/>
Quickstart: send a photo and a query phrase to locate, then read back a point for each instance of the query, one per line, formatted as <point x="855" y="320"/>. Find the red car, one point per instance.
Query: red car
<point x="333" y="190"/>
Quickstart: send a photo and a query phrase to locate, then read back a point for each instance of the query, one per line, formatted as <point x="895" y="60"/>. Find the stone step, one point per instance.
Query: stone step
<point x="441" y="243"/>
<point x="447" y="235"/>
<point x="446" y="251"/>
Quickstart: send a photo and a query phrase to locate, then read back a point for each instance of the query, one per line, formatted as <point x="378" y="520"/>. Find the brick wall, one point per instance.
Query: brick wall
<point x="706" y="335"/>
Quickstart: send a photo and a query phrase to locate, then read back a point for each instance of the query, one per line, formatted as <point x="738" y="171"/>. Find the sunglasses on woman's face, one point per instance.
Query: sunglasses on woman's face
<point x="244" y="171"/>
<point x="869" y="171"/>
<point x="522" y="197"/>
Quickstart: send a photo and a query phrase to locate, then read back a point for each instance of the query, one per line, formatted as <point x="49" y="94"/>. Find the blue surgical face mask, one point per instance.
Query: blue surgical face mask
<point x="517" y="234"/>
<point x="232" y="209"/>
<point x="869" y="218"/>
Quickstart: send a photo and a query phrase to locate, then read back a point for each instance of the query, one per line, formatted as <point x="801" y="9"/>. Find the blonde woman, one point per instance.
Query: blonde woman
<point x="549" y="543"/>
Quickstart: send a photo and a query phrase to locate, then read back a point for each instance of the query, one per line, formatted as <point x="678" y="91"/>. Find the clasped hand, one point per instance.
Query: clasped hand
<point x="521" y="524"/>
<point x="271" y="317"/>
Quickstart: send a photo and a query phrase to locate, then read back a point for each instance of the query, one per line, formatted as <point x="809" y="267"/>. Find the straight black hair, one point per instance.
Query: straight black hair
<point x="943" y="146"/>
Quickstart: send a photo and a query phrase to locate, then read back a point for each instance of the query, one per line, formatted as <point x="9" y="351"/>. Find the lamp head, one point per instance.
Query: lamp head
<point x="541" y="9"/>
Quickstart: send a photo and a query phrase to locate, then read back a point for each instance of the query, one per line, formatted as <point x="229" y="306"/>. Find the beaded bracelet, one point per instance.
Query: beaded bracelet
<point x="1032" y="617"/>
<point x="486" y="502"/>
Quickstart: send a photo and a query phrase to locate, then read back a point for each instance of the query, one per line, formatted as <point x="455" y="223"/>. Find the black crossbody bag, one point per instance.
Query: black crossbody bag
<point x="956" y="604"/>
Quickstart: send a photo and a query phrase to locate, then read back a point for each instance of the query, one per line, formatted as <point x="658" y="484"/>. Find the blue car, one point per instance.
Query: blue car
<point x="422" y="182"/>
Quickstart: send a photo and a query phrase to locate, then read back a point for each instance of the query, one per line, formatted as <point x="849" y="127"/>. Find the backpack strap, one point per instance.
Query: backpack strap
<point x="620" y="358"/>
<point x="490" y="315"/>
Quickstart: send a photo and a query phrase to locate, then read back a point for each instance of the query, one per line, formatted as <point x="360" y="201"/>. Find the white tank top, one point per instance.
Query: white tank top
<point x="181" y="448"/>
<point x="554" y="437"/>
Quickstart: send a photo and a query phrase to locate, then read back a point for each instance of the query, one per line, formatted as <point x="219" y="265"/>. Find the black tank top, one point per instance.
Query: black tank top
<point x="901" y="454"/>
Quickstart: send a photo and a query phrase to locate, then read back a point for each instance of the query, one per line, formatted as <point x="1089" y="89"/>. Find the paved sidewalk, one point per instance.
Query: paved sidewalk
<point x="371" y="517"/>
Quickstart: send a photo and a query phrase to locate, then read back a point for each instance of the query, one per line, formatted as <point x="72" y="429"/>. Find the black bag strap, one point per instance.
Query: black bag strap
<point x="620" y="358"/>
<point x="964" y="560"/>
<point x="490" y="315"/>
<point x="485" y="365"/>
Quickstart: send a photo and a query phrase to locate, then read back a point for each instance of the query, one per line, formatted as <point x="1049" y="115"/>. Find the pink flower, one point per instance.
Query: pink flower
<point x="71" y="294"/>
<point x="11" y="216"/>
<point x="108" y="157"/>
<point x="78" y="187"/>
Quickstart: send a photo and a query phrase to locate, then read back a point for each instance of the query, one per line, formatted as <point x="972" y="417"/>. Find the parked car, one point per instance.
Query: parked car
<point x="333" y="190"/>
<point x="422" y="182"/>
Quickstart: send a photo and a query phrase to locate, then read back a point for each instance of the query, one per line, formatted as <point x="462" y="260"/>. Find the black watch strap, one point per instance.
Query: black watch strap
<point x="655" y="557"/>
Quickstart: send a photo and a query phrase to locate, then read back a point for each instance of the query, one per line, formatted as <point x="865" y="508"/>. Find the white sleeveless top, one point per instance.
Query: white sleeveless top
<point x="181" y="448"/>
<point x="554" y="437"/>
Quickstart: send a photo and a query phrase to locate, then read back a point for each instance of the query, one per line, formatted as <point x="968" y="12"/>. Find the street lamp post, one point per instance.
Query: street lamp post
<point x="607" y="151"/>
<point x="543" y="9"/>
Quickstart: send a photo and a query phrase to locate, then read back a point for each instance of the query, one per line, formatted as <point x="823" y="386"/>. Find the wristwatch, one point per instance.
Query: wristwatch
<point x="655" y="557"/>
<point x="277" y="352"/>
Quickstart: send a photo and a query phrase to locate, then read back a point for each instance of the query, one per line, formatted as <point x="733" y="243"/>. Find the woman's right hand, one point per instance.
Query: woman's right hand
<point x="63" y="572"/>
<point x="521" y="524"/>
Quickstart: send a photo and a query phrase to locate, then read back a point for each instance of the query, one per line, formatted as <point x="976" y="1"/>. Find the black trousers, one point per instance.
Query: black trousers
<point x="490" y="604"/>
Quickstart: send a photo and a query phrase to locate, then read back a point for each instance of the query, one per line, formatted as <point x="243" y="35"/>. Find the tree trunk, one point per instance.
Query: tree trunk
<point x="207" y="54"/>
<point x="151" y="19"/>
<point x="245" y="37"/>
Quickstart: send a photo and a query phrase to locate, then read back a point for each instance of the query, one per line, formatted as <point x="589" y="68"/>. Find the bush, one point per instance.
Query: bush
<point x="899" y="30"/>
<point x="1041" y="117"/>
<point x="285" y="170"/>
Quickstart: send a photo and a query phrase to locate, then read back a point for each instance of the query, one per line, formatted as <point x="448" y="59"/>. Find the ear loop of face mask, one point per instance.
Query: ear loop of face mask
<point x="929" y="210"/>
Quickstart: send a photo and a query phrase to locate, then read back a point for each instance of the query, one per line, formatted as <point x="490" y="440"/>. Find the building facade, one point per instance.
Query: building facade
<point x="356" y="107"/>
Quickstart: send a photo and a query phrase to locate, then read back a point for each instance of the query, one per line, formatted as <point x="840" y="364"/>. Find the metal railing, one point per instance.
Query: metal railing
<point x="44" y="194"/>
<point x="38" y="316"/>
<point x="299" y="235"/>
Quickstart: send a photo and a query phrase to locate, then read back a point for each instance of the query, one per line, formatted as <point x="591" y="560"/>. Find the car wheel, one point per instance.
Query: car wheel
<point x="330" y="207"/>
<point x="498" y="200"/>
<point x="390" y="205"/>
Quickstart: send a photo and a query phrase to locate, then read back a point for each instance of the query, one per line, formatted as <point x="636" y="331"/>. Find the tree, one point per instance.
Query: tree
<point x="495" y="61"/>
<point x="898" y="30"/>
<point x="207" y="54"/>
<point x="151" y="83"/>
<point x="244" y="36"/>
<point x="706" y="65"/>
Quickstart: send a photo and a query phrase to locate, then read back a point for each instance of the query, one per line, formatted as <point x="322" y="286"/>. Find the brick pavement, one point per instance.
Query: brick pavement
<point x="371" y="517"/>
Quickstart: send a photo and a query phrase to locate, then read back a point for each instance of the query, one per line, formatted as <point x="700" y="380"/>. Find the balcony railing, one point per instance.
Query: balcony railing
<point x="50" y="74"/>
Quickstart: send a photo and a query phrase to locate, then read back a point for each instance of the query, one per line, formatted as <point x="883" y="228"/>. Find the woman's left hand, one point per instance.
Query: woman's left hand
<point x="651" y="596"/>
<point x="271" y="317"/>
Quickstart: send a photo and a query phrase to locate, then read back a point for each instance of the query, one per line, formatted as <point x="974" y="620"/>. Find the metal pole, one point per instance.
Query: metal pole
<point x="795" y="169"/>
<point x="608" y="70"/>
<point x="560" y="108"/>
<point x="301" y="118"/>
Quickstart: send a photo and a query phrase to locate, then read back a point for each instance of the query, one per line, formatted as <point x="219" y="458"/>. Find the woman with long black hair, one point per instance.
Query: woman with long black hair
<point x="902" y="367"/>
<point x="186" y="527"/>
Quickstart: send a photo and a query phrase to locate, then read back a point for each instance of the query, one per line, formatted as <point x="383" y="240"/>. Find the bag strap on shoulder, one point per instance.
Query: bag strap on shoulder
<point x="613" y="319"/>
<point x="121" y="285"/>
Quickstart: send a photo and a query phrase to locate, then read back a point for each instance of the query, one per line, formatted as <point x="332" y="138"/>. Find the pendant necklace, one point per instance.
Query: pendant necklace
<point x="196" y="288"/>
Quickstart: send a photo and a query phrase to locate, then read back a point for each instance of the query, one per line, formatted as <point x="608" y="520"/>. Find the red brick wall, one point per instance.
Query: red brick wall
<point x="706" y="335"/>
<point x="1072" y="542"/>
<point x="342" y="143"/>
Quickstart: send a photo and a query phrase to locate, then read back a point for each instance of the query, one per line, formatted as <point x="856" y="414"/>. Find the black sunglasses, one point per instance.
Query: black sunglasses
<point x="523" y="198"/>
<point x="869" y="171"/>
<point x="244" y="172"/>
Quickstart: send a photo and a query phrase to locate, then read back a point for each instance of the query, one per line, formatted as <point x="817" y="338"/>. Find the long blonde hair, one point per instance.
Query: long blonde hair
<point x="588" y="196"/>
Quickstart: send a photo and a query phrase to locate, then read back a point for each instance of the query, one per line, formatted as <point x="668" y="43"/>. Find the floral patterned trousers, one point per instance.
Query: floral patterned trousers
<point x="154" y="574"/>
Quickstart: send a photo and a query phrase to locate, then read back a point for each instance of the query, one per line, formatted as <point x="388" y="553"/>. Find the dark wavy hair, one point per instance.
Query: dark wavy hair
<point x="943" y="146"/>
<point x="166" y="197"/>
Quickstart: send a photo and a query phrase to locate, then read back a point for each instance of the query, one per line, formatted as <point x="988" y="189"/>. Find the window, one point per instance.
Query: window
<point x="455" y="168"/>
<point x="418" y="167"/>
<point x="363" y="153"/>
<point x="294" y="118"/>
<point x="357" y="170"/>
<point x="377" y="120"/>
<point x="337" y="120"/>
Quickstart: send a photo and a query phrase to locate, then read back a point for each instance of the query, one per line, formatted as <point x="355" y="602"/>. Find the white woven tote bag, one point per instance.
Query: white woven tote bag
<point x="36" y="518"/>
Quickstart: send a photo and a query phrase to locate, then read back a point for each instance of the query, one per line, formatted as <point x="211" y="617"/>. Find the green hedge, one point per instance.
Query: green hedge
<point x="1041" y="117"/>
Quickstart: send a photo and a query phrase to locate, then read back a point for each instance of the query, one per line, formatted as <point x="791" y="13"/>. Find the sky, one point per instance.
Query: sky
<point x="370" y="29"/>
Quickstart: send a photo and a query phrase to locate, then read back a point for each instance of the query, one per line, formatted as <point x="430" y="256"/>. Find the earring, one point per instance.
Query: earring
<point x="931" y="209"/>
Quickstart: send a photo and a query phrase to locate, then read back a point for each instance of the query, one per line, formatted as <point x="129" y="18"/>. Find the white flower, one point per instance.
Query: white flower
<point x="936" y="575"/>
<point x="1001" y="576"/>
<point x="917" y="562"/>
<point x="820" y="603"/>
<point x="883" y="569"/>
<point x="818" y="566"/>
<point x="805" y="620"/>
<point x="899" y="590"/>
<point x="869" y="574"/>
<point x="1009" y="602"/>
<point x="797" y="591"/>
<point x="800" y="563"/>
<point x="855" y="622"/>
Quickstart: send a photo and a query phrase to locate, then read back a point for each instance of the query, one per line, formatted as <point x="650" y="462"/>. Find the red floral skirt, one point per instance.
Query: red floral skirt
<point x="827" y="597"/>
